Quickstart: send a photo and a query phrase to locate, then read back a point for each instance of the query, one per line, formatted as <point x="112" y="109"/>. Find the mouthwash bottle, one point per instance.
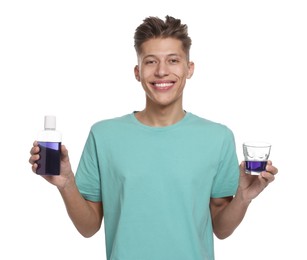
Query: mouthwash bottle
<point x="49" y="142"/>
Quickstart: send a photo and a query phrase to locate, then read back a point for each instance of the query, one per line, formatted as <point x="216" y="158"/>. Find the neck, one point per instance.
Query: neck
<point x="160" y="116"/>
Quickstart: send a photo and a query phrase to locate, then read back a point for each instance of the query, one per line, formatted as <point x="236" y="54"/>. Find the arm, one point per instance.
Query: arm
<point x="227" y="213"/>
<point x="86" y="215"/>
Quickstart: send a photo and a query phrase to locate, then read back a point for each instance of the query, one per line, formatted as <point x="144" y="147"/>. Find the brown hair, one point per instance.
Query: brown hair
<point x="154" y="27"/>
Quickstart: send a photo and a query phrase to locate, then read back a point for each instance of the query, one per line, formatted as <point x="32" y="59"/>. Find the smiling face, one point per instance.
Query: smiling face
<point x="162" y="69"/>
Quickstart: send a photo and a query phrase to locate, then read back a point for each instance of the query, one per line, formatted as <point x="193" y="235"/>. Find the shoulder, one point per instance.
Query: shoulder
<point x="111" y="123"/>
<point x="209" y="125"/>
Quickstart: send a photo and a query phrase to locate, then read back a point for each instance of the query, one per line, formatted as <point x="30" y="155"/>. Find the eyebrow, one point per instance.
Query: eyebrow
<point x="168" y="55"/>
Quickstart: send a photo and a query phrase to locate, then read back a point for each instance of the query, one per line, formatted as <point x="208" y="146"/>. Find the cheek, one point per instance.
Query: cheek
<point x="144" y="75"/>
<point x="182" y="71"/>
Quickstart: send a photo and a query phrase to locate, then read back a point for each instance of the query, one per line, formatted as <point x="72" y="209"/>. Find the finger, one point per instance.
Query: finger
<point x="34" y="150"/>
<point x="34" y="167"/>
<point x="33" y="158"/>
<point x="267" y="177"/>
<point x="271" y="169"/>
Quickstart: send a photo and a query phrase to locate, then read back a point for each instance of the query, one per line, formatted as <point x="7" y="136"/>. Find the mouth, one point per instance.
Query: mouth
<point x="163" y="86"/>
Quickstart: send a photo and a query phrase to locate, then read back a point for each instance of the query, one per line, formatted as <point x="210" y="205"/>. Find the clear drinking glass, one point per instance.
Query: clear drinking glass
<point x="256" y="155"/>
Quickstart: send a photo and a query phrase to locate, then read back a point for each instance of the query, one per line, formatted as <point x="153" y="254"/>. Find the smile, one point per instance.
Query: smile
<point x="163" y="86"/>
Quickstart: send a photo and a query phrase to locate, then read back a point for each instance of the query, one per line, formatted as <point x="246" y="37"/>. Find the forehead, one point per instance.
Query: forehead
<point x="162" y="46"/>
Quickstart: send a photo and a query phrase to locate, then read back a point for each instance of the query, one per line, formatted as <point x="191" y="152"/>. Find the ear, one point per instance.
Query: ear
<point x="137" y="73"/>
<point x="191" y="69"/>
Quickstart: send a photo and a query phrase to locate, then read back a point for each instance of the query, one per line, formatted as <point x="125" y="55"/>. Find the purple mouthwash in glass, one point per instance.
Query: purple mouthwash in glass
<point x="49" y="142"/>
<point x="255" y="166"/>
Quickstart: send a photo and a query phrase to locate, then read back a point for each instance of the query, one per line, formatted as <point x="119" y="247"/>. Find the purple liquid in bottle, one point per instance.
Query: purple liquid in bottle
<point x="49" y="142"/>
<point x="50" y="158"/>
<point x="255" y="166"/>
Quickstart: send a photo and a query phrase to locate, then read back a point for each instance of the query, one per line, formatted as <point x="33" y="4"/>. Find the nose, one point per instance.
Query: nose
<point x="161" y="70"/>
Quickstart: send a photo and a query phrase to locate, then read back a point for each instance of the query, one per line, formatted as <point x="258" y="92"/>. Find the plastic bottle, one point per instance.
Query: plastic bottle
<point x="49" y="142"/>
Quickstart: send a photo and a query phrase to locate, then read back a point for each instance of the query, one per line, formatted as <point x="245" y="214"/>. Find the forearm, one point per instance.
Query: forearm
<point x="228" y="219"/>
<point x="85" y="218"/>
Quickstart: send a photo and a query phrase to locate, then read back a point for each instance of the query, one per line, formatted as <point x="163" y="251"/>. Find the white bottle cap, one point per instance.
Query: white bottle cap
<point x="50" y="122"/>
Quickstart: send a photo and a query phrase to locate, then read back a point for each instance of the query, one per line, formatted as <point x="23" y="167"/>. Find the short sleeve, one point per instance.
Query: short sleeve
<point x="227" y="177"/>
<point x="88" y="174"/>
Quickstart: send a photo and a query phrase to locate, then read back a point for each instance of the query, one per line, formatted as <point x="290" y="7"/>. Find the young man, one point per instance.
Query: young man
<point x="163" y="179"/>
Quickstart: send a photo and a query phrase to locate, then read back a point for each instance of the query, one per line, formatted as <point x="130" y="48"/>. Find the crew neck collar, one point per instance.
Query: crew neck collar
<point x="160" y="128"/>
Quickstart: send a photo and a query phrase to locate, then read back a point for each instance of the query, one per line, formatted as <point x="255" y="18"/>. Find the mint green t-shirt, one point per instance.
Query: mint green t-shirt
<point x="155" y="184"/>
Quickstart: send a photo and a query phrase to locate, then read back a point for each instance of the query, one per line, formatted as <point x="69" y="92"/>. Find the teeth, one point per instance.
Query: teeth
<point x="163" y="85"/>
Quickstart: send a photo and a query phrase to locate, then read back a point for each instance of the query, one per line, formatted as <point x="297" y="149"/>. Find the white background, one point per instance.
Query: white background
<point x="75" y="59"/>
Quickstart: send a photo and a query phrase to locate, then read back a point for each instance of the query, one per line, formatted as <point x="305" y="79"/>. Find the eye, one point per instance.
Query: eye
<point x="149" y="62"/>
<point x="174" y="61"/>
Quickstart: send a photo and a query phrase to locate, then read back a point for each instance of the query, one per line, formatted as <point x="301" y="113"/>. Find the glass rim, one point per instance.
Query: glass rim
<point x="257" y="144"/>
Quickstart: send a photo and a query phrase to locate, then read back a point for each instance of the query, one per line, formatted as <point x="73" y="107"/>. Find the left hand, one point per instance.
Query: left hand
<point x="250" y="186"/>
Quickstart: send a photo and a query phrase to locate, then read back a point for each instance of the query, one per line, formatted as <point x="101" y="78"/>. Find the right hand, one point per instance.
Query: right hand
<point x="66" y="175"/>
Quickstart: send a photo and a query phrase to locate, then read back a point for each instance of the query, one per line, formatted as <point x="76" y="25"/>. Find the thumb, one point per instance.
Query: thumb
<point x="64" y="152"/>
<point x="242" y="167"/>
